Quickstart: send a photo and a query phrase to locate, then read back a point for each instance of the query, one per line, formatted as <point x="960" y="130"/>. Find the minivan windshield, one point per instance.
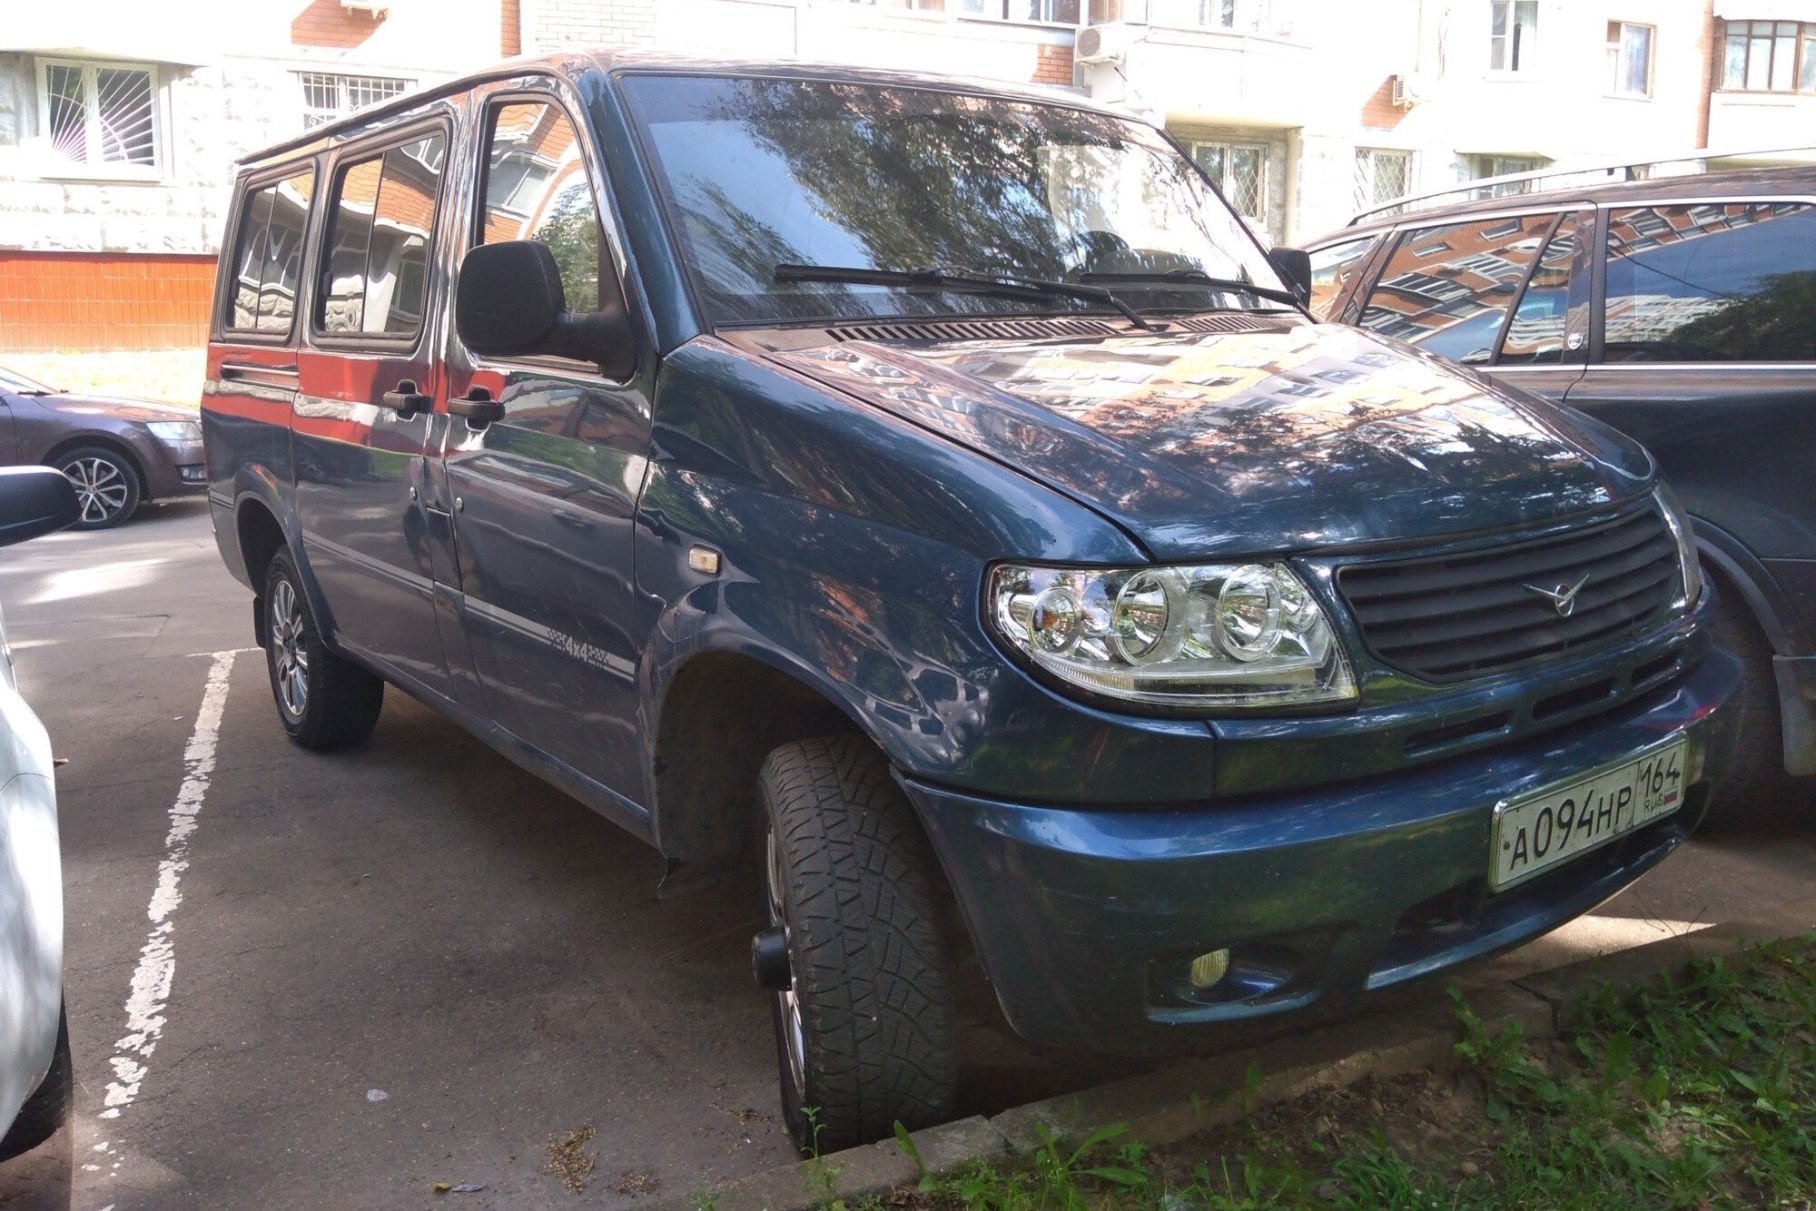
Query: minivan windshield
<point x="767" y="172"/>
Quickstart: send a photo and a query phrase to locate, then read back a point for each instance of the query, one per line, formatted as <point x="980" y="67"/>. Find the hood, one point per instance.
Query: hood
<point x="109" y="407"/>
<point x="1276" y="435"/>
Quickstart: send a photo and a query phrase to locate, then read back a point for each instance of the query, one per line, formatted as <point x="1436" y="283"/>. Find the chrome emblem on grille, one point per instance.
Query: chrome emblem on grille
<point x="1563" y="597"/>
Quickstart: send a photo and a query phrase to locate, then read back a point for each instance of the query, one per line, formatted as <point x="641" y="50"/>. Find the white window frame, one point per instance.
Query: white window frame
<point x="1519" y="58"/>
<point x="999" y="11"/>
<point x="1245" y="16"/>
<point x="1259" y="221"/>
<point x="1367" y="177"/>
<point x="104" y="170"/>
<point x="1617" y="57"/>
<point x="315" y="115"/>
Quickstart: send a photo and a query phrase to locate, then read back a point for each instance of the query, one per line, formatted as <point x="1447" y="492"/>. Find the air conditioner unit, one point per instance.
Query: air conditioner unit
<point x="1410" y="90"/>
<point x="1103" y="43"/>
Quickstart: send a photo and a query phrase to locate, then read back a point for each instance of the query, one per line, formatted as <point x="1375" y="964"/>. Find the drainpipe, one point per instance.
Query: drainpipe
<point x="1710" y="62"/>
<point x="1289" y="227"/>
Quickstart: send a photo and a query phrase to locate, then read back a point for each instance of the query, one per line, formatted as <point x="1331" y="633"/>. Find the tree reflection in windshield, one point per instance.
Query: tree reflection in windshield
<point x="762" y="171"/>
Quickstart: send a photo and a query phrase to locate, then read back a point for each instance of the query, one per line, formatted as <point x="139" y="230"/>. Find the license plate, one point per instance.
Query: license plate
<point x="1571" y="818"/>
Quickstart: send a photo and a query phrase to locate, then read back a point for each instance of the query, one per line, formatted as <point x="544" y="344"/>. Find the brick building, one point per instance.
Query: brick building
<point x="119" y="123"/>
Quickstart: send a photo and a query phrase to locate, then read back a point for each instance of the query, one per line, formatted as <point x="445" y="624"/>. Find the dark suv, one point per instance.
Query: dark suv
<point x="1681" y="311"/>
<point x="929" y="500"/>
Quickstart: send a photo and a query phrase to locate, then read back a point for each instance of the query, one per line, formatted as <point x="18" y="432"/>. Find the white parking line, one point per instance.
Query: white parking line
<point x="151" y="980"/>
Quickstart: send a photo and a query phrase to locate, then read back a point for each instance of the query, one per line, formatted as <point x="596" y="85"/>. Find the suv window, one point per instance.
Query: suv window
<point x="1333" y="268"/>
<point x="384" y="221"/>
<point x="1711" y="282"/>
<point x="1447" y="289"/>
<point x="1536" y="334"/>
<point x="268" y="260"/>
<point x="536" y="189"/>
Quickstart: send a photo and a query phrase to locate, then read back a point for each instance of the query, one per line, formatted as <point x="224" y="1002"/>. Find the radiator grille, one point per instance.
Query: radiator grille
<point x="1464" y="615"/>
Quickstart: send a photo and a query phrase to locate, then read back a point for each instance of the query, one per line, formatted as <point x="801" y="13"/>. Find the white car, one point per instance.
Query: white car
<point x="34" y="1039"/>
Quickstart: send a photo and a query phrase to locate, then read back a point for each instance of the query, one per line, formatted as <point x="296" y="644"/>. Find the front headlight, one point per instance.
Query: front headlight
<point x="1214" y="635"/>
<point x="1684" y="533"/>
<point x="175" y="430"/>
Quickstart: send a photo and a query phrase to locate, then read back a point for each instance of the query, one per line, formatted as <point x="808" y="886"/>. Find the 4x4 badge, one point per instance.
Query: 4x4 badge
<point x="1563" y="597"/>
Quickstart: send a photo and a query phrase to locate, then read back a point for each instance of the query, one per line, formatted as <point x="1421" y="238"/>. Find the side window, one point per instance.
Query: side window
<point x="268" y="256"/>
<point x="536" y="189"/>
<point x="376" y="275"/>
<point x="1333" y="269"/>
<point x="1447" y="289"/>
<point x="1536" y="335"/>
<point x="1714" y="282"/>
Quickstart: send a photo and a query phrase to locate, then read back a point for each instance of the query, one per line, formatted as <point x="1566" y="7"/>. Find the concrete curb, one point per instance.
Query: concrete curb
<point x="1170" y="1104"/>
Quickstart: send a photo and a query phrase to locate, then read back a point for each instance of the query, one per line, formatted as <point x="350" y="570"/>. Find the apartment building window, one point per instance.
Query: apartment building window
<point x="1513" y="27"/>
<point x="1501" y="166"/>
<point x="1629" y="59"/>
<point x="919" y="6"/>
<point x="327" y="96"/>
<point x="1047" y="12"/>
<point x="1769" y="56"/>
<point x="100" y="119"/>
<point x="1244" y="16"/>
<point x="1381" y="175"/>
<point x="1239" y="171"/>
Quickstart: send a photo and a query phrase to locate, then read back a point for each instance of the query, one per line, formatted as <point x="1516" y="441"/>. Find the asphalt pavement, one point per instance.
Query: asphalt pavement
<point x="305" y="981"/>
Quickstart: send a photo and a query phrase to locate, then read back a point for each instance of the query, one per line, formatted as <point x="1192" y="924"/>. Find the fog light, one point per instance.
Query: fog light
<point x="195" y="473"/>
<point x="1208" y="969"/>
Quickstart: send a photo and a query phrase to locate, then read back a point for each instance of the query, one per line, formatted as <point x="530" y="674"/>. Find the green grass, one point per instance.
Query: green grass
<point x="1699" y="1093"/>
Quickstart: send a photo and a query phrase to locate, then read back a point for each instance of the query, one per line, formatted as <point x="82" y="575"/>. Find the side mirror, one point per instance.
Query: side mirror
<point x="1295" y="265"/>
<point x="508" y="302"/>
<point x="34" y="501"/>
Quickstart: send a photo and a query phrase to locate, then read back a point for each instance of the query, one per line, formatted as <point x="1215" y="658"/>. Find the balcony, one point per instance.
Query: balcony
<point x="1742" y="120"/>
<point x="1220" y="76"/>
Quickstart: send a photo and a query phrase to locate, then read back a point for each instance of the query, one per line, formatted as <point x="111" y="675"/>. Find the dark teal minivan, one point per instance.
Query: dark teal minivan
<point x="927" y="499"/>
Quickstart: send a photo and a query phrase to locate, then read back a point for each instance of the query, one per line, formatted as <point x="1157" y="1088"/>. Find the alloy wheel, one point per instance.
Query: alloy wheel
<point x="290" y="660"/>
<point x="101" y="487"/>
<point x="788" y="1002"/>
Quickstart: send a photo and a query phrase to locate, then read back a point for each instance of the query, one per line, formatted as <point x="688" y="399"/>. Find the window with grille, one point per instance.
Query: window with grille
<point x="1381" y="176"/>
<point x="1769" y="56"/>
<point x="100" y="117"/>
<point x="1513" y="27"/>
<point x="1239" y="171"/>
<point x="1501" y="166"/>
<point x="327" y="96"/>
<point x="1629" y="59"/>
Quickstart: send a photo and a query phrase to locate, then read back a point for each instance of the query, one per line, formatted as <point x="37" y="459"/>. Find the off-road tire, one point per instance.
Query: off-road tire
<point x="870" y="965"/>
<point x="47" y="1108"/>
<point x="340" y="701"/>
<point x="1752" y="777"/>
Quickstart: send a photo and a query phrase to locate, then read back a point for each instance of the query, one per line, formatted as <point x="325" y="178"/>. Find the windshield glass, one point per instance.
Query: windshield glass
<point x="761" y="172"/>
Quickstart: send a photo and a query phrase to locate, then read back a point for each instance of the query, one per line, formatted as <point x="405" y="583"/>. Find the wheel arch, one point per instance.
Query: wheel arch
<point x="105" y="441"/>
<point x="1737" y="566"/>
<point x="721" y="714"/>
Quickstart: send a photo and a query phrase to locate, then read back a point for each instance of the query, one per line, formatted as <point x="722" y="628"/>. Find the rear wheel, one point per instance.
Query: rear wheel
<point x="864" y="1011"/>
<point x="107" y="485"/>
<point x="324" y="701"/>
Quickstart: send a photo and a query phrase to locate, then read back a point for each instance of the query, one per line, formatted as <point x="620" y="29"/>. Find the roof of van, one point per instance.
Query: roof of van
<point x="571" y="65"/>
<point x="1770" y="182"/>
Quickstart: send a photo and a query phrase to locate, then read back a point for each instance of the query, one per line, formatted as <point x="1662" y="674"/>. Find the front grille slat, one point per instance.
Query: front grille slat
<point x="1449" y="617"/>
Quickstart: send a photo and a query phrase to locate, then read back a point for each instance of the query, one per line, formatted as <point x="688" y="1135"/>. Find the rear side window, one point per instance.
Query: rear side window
<point x="376" y="274"/>
<point x="268" y="257"/>
<point x="1713" y="282"/>
<point x="536" y="189"/>
<point x="1333" y="269"/>
<point x="1447" y="289"/>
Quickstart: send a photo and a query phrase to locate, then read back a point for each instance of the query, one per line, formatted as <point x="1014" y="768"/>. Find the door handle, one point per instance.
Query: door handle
<point x="478" y="406"/>
<point x="405" y="400"/>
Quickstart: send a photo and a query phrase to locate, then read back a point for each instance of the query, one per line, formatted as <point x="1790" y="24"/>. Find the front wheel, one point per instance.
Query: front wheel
<point x="323" y="700"/>
<point x="864" y="1013"/>
<point x="1753" y="779"/>
<point x="107" y="486"/>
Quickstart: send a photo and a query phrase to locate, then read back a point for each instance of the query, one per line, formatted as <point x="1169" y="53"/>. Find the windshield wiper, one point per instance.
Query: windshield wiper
<point x="1196" y="277"/>
<point x="1009" y="286"/>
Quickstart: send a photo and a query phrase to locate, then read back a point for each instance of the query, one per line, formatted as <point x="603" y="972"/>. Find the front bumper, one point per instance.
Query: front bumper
<point x="1087" y="920"/>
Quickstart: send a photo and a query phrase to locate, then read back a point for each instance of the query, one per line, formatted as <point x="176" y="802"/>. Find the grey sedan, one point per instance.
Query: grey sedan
<point x="119" y="453"/>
